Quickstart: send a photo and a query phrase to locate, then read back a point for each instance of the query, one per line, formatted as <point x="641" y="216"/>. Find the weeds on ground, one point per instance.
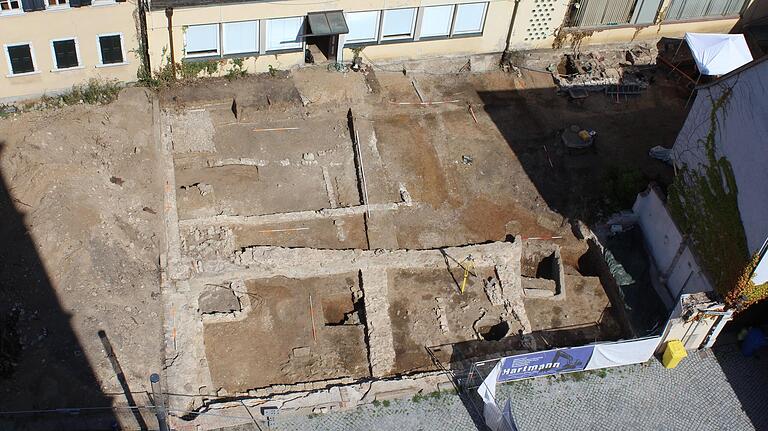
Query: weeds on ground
<point x="192" y="69"/>
<point x="7" y="110"/>
<point x="581" y="375"/>
<point x="237" y="70"/>
<point x="622" y="184"/>
<point x="574" y="377"/>
<point x="436" y="395"/>
<point x="95" y="91"/>
<point x="189" y="70"/>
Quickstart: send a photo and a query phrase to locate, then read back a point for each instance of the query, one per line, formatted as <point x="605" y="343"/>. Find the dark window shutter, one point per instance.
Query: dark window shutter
<point x="74" y="3"/>
<point x="32" y="5"/>
<point x="21" y="59"/>
<point x="66" y="54"/>
<point x="111" y="49"/>
<point x="85" y="2"/>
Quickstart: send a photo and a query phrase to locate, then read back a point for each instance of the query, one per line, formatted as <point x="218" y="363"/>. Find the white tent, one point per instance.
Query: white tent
<point x="718" y="54"/>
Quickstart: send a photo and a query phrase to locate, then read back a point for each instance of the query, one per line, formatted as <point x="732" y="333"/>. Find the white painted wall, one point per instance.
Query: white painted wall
<point x="742" y="137"/>
<point x="664" y="240"/>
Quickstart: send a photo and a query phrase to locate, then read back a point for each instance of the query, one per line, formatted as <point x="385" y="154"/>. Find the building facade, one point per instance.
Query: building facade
<point x="275" y="33"/>
<point x="51" y="45"/>
<point x="726" y="130"/>
<point x="620" y="21"/>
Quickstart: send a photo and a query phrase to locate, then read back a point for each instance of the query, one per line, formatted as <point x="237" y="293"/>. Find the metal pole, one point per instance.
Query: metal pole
<point x="169" y="16"/>
<point x="158" y="399"/>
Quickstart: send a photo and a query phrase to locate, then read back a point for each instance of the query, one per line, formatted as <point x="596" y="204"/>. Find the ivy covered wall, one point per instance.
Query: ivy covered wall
<point x="719" y="197"/>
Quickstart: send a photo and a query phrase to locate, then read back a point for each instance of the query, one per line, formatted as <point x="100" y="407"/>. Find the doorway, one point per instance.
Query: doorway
<point x="322" y="36"/>
<point x="321" y="49"/>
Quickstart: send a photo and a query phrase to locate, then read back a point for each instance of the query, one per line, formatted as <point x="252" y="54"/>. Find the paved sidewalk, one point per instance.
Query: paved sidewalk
<point x="711" y="390"/>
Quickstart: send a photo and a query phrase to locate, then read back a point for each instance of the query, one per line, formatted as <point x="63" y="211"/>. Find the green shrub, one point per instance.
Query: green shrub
<point x="622" y="184"/>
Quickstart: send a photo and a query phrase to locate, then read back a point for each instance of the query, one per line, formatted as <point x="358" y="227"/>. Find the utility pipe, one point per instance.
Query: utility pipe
<point x="512" y="24"/>
<point x="169" y="15"/>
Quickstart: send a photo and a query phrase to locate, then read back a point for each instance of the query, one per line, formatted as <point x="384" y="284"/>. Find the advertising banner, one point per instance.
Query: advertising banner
<point x="544" y="363"/>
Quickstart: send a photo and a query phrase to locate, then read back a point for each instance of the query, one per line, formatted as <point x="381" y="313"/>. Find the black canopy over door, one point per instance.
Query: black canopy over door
<point x="324" y="29"/>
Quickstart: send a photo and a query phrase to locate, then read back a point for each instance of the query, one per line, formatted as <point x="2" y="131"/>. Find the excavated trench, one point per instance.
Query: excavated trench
<point x="495" y="332"/>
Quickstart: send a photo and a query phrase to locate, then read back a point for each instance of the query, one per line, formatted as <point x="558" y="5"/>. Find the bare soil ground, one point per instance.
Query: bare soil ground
<point x="81" y="235"/>
<point x="82" y="206"/>
<point x="427" y="310"/>
<point x="278" y="344"/>
<point x="583" y="317"/>
<point x="472" y="178"/>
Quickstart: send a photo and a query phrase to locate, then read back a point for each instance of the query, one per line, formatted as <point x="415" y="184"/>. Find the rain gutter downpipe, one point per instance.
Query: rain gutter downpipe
<point x="512" y="25"/>
<point x="169" y="15"/>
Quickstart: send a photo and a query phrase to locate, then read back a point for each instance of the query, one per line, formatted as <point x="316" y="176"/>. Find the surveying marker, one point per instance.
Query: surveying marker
<point x="468" y="267"/>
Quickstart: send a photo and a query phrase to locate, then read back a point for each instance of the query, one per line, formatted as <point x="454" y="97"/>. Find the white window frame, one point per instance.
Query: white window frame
<point x="296" y="46"/>
<point x="58" y="6"/>
<point x="376" y="30"/>
<point x="103" y="2"/>
<point x="223" y="35"/>
<point x="482" y="22"/>
<point x="122" y="48"/>
<point x="10" y="66"/>
<point x="450" y="23"/>
<point x="204" y="54"/>
<point x="411" y="35"/>
<point x="10" y="12"/>
<point x="77" y="52"/>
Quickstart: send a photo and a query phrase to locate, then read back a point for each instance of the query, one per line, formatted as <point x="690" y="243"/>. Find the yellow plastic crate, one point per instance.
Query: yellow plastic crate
<point x="673" y="354"/>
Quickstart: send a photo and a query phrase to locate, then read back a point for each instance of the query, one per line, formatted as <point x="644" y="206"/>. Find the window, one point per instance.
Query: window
<point x="20" y="59"/>
<point x="398" y="24"/>
<point x="603" y="13"/>
<point x="363" y="26"/>
<point x="111" y="49"/>
<point x="201" y="40"/>
<point x="8" y="7"/>
<point x="241" y="37"/>
<point x="284" y="33"/>
<point x="436" y="21"/>
<point x="65" y="53"/>
<point x="469" y="18"/>
<point x="56" y="4"/>
<point x="682" y="10"/>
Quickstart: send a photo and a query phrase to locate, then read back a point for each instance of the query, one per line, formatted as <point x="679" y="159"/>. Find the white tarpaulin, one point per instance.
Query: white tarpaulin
<point x="624" y="353"/>
<point x="599" y="356"/>
<point x="495" y="419"/>
<point x="718" y="54"/>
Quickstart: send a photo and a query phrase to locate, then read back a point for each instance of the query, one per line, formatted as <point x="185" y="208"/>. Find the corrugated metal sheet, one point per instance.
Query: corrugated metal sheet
<point x="645" y="11"/>
<point x="595" y="13"/>
<point x="689" y="9"/>
<point x="735" y="7"/>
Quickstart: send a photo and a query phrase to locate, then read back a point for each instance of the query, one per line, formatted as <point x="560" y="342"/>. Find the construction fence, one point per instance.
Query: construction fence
<point x="483" y="377"/>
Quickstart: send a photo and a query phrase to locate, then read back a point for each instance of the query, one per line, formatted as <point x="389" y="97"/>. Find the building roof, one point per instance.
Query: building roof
<point x="164" y="4"/>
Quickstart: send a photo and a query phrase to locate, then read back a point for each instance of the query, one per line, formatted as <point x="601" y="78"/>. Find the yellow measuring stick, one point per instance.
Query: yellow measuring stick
<point x="467" y="270"/>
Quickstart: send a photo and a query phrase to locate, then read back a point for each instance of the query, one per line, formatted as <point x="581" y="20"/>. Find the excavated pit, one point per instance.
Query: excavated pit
<point x="269" y="346"/>
<point x="495" y="332"/>
<point x="428" y="310"/>
<point x="274" y="196"/>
